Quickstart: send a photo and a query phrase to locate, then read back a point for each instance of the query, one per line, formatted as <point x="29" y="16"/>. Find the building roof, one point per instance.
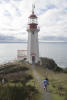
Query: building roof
<point x="32" y="16"/>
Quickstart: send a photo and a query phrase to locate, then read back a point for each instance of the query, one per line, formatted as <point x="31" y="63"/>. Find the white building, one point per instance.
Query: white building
<point x="33" y="45"/>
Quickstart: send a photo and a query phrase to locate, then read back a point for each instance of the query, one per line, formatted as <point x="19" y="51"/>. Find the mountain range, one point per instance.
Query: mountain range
<point x="11" y="39"/>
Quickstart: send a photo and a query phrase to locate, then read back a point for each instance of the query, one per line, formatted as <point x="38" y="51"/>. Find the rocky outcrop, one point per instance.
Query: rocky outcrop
<point x="50" y="64"/>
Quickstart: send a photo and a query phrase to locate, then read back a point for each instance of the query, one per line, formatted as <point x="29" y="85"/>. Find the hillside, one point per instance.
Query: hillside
<point x="20" y="82"/>
<point x="51" y="65"/>
<point x="57" y="78"/>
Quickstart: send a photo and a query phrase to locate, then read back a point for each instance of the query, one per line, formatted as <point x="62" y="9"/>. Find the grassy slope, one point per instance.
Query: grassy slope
<point x="57" y="82"/>
<point x="14" y="74"/>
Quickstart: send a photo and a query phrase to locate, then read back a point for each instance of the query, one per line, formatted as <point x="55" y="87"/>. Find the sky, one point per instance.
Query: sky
<point x="52" y="18"/>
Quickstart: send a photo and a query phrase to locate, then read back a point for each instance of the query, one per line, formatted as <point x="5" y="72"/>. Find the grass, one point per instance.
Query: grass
<point x="35" y="83"/>
<point x="57" y="97"/>
<point x="20" y="79"/>
<point x="57" y="82"/>
<point x="19" y="75"/>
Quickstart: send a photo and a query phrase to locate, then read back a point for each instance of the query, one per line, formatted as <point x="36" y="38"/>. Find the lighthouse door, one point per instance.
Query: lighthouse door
<point x="33" y="59"/>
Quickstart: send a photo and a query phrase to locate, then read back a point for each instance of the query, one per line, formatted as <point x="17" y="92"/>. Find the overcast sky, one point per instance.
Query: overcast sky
<point x="52" y="17"/>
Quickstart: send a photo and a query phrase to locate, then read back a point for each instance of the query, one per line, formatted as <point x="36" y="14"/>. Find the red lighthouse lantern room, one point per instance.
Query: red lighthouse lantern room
<point x="32" y="21"/>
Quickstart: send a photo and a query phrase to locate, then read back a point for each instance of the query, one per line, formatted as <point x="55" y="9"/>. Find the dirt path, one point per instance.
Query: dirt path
<point x="46" y="95"/>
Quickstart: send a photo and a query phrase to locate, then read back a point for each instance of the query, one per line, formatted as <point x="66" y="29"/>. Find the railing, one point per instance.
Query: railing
<point x="28" y="27"/>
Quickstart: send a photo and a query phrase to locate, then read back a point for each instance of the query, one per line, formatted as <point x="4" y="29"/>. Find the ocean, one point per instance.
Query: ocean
<point x="53" y="50"/>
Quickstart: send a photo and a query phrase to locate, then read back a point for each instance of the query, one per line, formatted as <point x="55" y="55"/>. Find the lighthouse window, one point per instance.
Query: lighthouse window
<point x="32" y="20"/>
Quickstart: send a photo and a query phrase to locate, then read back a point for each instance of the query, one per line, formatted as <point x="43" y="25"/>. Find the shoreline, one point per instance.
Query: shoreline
<point x="56" y="52"/>
<point x="39" y="42"/>
<point x="12" y="61"/>
<point x="17" y="72"/>
<point x="16" y="60"/>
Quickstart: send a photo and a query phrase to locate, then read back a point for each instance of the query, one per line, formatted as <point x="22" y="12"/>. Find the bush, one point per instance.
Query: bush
<point x="57" y="69"/>
<point x="12" y="93"/>
<point x="50" y="64"/>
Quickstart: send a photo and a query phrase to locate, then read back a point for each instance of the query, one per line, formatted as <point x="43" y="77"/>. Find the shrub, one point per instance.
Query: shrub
<point x="50" y="64"/>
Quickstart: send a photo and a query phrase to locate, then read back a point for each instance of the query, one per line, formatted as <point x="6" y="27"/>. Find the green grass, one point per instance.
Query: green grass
<point x="57" y="97"/>
<point x="19" y="76"/>
<point x="57" y="82"/>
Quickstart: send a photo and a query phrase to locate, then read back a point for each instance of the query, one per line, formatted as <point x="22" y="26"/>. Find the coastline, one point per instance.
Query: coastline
<point x="16" y="60"/>
<point x="56" y="51"/>
<point x="12" y="72"/>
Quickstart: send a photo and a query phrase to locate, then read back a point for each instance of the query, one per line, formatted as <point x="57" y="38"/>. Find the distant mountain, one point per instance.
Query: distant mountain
<point x="54" y="38"/>
<point x="9" y="39"/>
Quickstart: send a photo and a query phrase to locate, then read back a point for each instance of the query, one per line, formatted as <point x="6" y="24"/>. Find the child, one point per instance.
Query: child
<point x="45" y="83"/>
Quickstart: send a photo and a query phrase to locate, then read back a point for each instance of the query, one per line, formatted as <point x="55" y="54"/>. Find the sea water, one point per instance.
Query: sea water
<point x="53" y="50"/>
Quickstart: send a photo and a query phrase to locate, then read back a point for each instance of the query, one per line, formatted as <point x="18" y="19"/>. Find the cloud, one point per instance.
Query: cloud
<point x="7" y="13"/>
<point x="54" y="22"/>
<point x="52" y="17"/>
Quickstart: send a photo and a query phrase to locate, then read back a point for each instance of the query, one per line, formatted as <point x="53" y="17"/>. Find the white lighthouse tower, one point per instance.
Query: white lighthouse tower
<point x="33" y="45"/>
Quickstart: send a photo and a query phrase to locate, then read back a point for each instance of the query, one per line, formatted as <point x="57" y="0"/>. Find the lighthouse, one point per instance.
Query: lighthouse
<point x="33" y="44"/>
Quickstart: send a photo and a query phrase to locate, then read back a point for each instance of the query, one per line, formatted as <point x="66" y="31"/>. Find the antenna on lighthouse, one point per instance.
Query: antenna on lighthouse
<point x="33" y="7"/>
